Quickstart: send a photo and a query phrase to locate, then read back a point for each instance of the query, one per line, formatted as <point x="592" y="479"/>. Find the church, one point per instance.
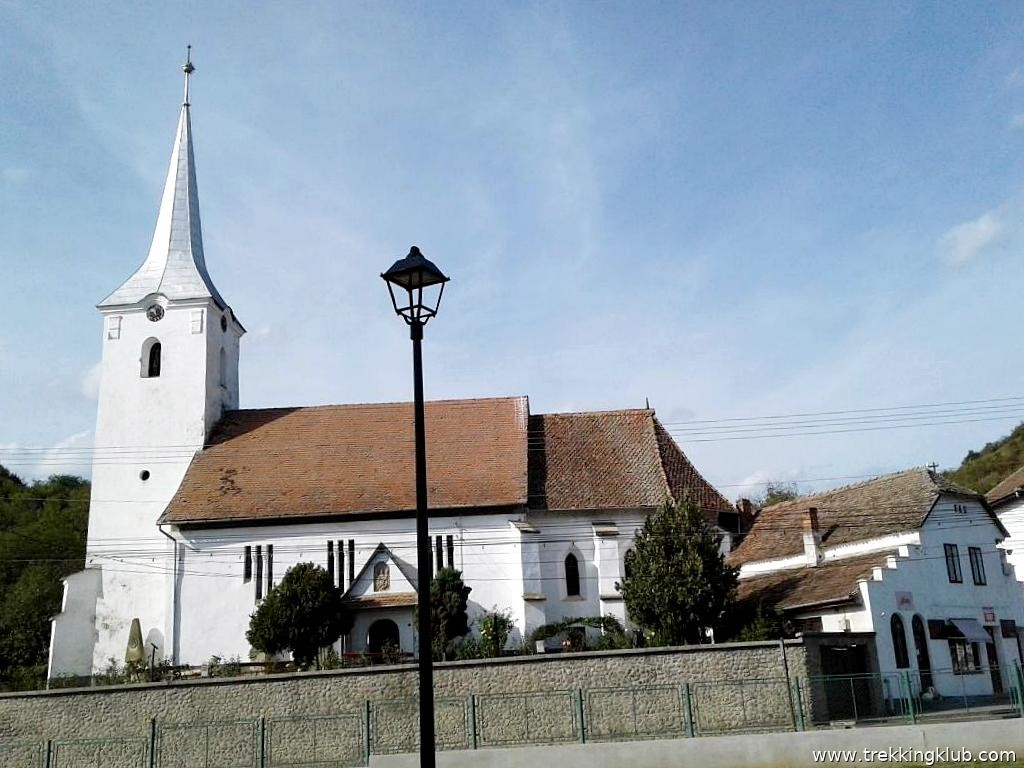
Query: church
<point x="199" y="508"/>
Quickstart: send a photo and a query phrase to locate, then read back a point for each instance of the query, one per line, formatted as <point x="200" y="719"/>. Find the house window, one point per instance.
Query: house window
<point x="965" y="657"/>
<point x="114" y="327"/>
<point x="953" y="563"/>
<point x="196" y="321"/>
<point x="899" y="642"/>
<point x="977" y="565"/>
<point x="381" y="577"/>
<point x="247" y="565"/>
<point x="572" y="575"/>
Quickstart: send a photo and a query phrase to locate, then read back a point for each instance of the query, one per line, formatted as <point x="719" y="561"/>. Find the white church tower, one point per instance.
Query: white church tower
<point x="169" y="371"/>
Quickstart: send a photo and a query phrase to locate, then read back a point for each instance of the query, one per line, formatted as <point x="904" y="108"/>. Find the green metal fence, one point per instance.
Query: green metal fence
<point x="690" y="709"/>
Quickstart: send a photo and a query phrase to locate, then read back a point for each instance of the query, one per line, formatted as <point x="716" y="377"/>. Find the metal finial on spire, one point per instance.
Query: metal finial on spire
<point x="188" y="69"/>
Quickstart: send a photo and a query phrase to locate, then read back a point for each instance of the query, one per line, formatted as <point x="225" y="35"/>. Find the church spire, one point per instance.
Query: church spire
<point x="175" y="266"/>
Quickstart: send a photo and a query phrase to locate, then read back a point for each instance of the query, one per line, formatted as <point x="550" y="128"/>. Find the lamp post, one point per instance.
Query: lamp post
<point x="422" y="284"/>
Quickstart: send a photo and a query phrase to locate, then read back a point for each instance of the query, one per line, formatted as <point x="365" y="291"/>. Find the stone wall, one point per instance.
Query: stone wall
<point x="342" y="716"/>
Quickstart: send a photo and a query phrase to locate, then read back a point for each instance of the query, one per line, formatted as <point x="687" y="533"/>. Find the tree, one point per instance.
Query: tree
<point x="677" y="584"/>
<point x="776" y="492"/>
<point x="448" y="618"/>
<point x="303" y="614"/>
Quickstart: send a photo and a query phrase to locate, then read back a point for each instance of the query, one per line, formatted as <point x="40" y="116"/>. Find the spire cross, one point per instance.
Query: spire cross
<point x="188" y="69"/>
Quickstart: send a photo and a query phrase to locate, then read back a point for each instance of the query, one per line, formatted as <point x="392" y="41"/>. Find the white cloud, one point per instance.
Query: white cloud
<point x="91" y="382"/>
<point x="965" y="242"/>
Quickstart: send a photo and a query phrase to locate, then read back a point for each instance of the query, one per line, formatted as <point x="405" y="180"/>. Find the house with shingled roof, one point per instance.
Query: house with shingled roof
<point x="903" y="576"/>
<point x="199" y="507"/>
<point x="1007" y="501"/>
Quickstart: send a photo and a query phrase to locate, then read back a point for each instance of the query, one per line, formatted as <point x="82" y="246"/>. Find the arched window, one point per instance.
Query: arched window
<point x="223" y="368"/>
<point x="150" y="359"/>
<point x="899" y="642"/>
<point x="924" y="662"/>
<point x="572" y="575"/>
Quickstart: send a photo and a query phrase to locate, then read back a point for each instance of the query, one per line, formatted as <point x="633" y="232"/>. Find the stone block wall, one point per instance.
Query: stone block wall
<point x="339" y="717"/>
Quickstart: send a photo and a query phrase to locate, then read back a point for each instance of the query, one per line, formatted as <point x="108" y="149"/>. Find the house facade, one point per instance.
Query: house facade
<point x="199" y="508"/>
<point x="909" y="560"/>
<point x="1007" y="501"/>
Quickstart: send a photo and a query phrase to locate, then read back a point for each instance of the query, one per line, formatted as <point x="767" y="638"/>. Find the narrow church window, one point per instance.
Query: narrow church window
<point x="196" y="321"/>
<point x="351" y="561"/>
<point x="259" y="572"/>
<point x="114" y="327"/>
<point x="223" y="368"/>
<point x="450" y="544"/>
<point x="247" y="565"/>
<point x="899" y="642"/>
<point x="572" y="575"/>
<point x="438" y="553"/>
<point x="153" y="369"/>
<point x="330" y="561"/>
<point x="341" y="564"/>
<point x="381" y="577"/>
<point x="270" y="567"/>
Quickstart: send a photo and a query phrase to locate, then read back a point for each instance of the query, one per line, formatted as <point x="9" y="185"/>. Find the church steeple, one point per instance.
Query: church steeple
<point x="175" y="266"/>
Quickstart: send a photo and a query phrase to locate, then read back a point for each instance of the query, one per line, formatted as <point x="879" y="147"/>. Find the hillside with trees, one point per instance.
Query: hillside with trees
<point x="42" y="539"/>
<point x="982" y="470"/>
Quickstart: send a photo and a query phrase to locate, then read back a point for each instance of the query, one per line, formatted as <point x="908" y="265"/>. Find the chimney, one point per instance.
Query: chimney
<point x="812" y="537"/>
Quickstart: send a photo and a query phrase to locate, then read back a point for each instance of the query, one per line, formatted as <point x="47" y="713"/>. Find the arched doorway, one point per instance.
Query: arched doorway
<point x="924" y="664"/>
<point x="382" y="631"/>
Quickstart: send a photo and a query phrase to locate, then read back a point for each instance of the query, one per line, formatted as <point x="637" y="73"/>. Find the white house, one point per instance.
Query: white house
<point x="910" y="557"/>
<point x="199" y="508"/>
<point x="1007" y="501"/>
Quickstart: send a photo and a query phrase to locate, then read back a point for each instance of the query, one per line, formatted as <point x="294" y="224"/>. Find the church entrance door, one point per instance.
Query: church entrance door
<point x="382" y="631"/>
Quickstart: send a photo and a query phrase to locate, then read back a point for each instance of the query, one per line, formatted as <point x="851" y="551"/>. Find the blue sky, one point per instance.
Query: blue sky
<point x="732" y="209"/>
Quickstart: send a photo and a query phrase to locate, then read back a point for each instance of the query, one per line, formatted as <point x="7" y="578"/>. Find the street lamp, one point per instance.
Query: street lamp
<point x="422" y="284"/>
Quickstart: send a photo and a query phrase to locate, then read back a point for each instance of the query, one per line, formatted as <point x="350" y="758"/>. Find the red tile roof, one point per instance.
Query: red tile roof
<point x="612" y="460"/>
<point x="886" y="505"/>
<point x="281" y="463"/>
<point x="359" y="459"/>
<point x="383" y="600"/>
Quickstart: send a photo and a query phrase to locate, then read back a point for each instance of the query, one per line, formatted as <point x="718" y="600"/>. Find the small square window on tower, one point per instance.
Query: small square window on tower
<point x="114" y="327"/>
<point x="197" y="318"/>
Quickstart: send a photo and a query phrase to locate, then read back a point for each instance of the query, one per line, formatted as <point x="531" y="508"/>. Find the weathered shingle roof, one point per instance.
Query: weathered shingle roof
<point x="281" y="463"/>
<point x="886" y="505"/>
<point x="612" y="460"/>
<point x="833" y="581"/>
<point x="1007" y="487"/>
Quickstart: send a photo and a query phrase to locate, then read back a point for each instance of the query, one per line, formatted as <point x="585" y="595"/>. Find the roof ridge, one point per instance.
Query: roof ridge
<point x="847" y="487"/>
<point x="327" y="406"/>
<point x="622" y="411"/>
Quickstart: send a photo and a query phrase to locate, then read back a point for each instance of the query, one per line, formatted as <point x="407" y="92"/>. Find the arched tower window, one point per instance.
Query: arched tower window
<point x="223" y="368"/>
<point x="151" y="358"/>
<point x="572" y="575"/>
<point x="899" y="642"/>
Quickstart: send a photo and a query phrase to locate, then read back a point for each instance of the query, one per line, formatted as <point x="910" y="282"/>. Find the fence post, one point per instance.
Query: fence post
<point x="688" y="710"/>
<point x="152" y="742"/>
<point x="911" y="709"/>
<point x="472" y="721"/>
<point x="367" y="733"/>
<point x="799" y="723"/>
<point x="579" y="716"/>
